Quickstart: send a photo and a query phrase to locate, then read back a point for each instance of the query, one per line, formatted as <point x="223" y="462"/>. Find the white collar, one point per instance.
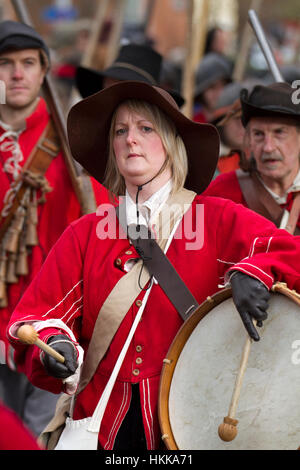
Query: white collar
<point x="8" y="128"/>
<point x="293" y="188"/>
<point x="150" y="208"/>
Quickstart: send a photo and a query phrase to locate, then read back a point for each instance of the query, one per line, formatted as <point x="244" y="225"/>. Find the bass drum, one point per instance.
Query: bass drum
<point x="201" y="366"/>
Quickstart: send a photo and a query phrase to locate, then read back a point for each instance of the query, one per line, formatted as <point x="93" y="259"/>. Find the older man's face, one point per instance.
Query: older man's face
<point x="275" y="146"/>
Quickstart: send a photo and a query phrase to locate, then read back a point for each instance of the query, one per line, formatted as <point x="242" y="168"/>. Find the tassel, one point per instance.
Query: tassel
<point x="3" y="260"/>
<point x="2" y="289"/>
<point x="4" y="301"/>
<point x="14" y="230"/>
<point x="11" y="277"/>
<point x="32" y="221"/>
<point x="22" y="262"/>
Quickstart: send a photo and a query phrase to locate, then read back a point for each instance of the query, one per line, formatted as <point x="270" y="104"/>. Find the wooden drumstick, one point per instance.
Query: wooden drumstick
<point x="28" y="335"/>
<point x="228" y="429"/>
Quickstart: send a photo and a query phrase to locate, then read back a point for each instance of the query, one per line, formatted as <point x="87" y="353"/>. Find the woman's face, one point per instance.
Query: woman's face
<point x="138" y="148"/>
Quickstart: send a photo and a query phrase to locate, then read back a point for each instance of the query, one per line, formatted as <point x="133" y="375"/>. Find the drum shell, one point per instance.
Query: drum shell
<point x="196" y="385"/>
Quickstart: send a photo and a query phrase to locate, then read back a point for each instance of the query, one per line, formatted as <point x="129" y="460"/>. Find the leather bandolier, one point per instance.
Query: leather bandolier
<point x="19" y="216"/>
<point x="259" y="199"/>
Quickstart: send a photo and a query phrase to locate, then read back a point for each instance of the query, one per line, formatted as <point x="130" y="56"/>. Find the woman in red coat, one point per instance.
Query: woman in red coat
<point x="146" y="150"/>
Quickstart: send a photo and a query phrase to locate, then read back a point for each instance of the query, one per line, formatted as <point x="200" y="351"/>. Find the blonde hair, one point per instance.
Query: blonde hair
<point x="172" y="142"/>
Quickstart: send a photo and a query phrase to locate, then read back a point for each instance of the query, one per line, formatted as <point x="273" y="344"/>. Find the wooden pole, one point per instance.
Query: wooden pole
<point x="246" y="41"/>
<point x="118" y="21"/>
<point x="197" y="13"/>
<point x="89" y="53"/>
<point x="297" y="50"/>
<point x="148" y="15"/>
<point x="87" y="59"/>
<point x="228" y="429"/>
<point x="8" y="11"/>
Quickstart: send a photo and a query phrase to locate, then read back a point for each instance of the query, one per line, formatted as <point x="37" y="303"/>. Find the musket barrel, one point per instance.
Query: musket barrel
<point x="265" y="46"/>
<point x="21" y="12"/>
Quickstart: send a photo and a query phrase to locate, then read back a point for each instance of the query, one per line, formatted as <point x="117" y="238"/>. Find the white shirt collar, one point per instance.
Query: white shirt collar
<point x="8" y="128"/>
<point x="293" y="188"/>
<point x="150" y="208"/>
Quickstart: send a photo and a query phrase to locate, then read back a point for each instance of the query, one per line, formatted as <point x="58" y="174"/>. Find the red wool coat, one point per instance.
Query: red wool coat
<point x="60" y="209"/>
<point x="81" y="271"/>
<point x="227" y="186"/>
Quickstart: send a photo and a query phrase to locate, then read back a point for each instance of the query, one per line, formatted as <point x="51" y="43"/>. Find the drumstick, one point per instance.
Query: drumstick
<point x="228" y="429"/>
<point x="28" y="335"/>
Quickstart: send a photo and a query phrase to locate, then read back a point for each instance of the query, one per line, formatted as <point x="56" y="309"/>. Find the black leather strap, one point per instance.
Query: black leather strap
<point x="160" y="267"/>
<point x="164" y="272"/>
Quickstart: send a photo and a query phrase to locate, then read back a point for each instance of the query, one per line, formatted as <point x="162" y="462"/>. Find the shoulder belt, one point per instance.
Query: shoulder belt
<point x="259" y="199"/>
<point x="161" y="268"/>
<point x="37" y="163"/>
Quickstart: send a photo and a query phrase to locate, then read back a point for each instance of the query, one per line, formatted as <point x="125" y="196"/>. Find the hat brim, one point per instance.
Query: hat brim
<point x="89" y="123"/>
<point x="22" y="43"/>
<point x="280" y="109"/>
<point x="249" y="111"/>
<point x="201" y="87"/>
<point x="89" y="81"/>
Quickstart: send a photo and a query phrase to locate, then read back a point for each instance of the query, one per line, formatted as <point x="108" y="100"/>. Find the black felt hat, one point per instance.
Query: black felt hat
<point x="134" y="62"/>
<point x="213" y="67"/>
<point x="15" y="35"/>
<point x="269" y="101"/>
<point x="88" y="130"/>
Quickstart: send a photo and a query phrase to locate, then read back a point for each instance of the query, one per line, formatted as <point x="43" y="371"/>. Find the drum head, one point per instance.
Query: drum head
<point x="199" y="374"/>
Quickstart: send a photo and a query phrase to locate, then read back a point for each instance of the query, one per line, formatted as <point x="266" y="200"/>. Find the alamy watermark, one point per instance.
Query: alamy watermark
<point x="2" y="92"/>
<point x="191" y="229"/>
<point x="296" y="93"/>
<point x="296" y="354"/>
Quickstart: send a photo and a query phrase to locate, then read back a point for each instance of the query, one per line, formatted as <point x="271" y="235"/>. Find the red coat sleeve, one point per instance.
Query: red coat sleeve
<point x="270" y="254"/>
<point x="54" y="297"/>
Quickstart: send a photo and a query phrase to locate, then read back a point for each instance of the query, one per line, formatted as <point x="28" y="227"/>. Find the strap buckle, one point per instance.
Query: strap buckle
<point x="49" y="147"/>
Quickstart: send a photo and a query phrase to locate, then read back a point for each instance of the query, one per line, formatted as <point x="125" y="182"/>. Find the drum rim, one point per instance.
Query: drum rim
<point x="177" y="345"/>
<point x="172" y="357"/>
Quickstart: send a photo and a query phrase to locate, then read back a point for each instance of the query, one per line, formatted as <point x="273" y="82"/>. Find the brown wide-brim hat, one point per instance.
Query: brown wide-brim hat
<point x="275" y="100"/>
<point x="89" y="122"/>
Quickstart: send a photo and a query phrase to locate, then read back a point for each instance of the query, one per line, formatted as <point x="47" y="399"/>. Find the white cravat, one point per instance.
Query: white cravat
<point x="9" y="142"/>
<point x="148" y="211"/>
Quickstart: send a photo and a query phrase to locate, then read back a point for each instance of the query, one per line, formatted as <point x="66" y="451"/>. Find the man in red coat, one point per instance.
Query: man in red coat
<point x="94" y="275"/>
<point x="271" y="185"/>
<point x="24" y="61"/>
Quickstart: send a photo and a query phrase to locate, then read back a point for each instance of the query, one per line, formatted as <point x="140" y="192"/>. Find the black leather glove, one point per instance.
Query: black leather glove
<point x="250" y="297"/>
<point x="63" y="345"/>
